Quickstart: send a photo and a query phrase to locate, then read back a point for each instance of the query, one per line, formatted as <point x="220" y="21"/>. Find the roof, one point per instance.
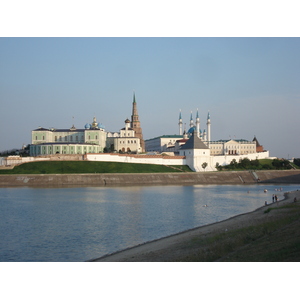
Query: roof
<point x="63" y="143"/>
<point x="256" y="141"/>
<point x="194" y="143"/>
<point x="65" y="130"/>
<point x="235" y="140"/>
<point x="174" y="136"/>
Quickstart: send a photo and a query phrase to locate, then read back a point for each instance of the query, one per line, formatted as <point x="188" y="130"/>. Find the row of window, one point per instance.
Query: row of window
<point x="60" y="138"/>
<point x="130" y="141"/>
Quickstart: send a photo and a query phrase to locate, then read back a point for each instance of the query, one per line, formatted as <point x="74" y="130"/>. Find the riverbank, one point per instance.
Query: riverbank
<point x="270" y="233"/>
<point x="131" y="179"/>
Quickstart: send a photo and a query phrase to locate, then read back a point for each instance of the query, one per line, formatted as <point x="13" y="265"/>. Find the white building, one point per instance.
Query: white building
<point x="125" y="141"/>
<point x="162" y="143"/>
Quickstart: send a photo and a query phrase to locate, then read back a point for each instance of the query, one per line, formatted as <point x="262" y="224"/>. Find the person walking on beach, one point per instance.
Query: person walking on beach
<point x="273" y="198"/>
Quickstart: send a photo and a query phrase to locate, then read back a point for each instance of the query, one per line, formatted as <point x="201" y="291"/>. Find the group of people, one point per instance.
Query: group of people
<point x="274" y="198"/>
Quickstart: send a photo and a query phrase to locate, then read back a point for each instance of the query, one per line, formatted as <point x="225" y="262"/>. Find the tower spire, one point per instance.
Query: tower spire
<point x="208" y="127"/>
<point x="135" y="123"/>
<point x="180" y="123"/>
<point x="191" y="120"/>
<point x="198" y="124"/>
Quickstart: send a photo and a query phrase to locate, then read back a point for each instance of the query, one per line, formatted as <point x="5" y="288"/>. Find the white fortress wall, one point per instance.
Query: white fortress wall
<point x="141" y="159"/>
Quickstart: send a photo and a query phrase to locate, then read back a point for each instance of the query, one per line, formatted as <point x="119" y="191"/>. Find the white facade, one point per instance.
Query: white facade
<point x="124" y="141"/>
<point x="161" y="143"/>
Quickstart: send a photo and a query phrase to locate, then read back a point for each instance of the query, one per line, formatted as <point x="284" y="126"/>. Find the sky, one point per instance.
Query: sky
<point x="249" y="85"/>
<point x="64" y="62"/>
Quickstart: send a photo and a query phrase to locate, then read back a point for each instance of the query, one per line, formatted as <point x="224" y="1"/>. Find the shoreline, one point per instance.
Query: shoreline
<point x="173" y="247"/>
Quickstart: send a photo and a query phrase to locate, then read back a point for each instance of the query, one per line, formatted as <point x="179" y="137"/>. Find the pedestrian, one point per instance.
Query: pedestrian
<point x="295" y="199"/>
<point x="266" y="203"/>
<point x="273" y="198"/>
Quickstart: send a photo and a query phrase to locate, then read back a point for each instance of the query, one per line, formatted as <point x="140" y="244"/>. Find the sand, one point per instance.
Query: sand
<point x="173" y="248"/>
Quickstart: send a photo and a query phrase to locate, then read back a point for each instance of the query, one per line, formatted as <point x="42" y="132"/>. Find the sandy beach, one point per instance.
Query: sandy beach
<point x="228" y="240"/>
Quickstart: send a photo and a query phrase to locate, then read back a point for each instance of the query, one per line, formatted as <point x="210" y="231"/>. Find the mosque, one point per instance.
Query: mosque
<point x="173" y="143"/>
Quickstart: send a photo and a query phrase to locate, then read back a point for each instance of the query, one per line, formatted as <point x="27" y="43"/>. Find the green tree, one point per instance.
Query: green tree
<point x="204" y="165"/>
<point x="245" y="163"/>
<point x="234" y="163"/>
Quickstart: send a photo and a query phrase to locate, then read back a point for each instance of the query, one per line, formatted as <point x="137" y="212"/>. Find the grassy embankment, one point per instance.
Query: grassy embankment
<point x="80" y="167"/>
<point x="275" y="240"/>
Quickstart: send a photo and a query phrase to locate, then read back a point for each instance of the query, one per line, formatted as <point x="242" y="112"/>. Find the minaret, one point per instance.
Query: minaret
<point x="204" y="135"/>
<point x="180" y="123"/>
<point x="191" y="120"/>
<point x="198" y="124"/>
<point x="135" y="124"/>
<point x="208" y="128"/>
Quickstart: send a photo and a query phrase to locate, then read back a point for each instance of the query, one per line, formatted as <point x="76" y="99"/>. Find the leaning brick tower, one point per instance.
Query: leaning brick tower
<point x="136" y="125"/>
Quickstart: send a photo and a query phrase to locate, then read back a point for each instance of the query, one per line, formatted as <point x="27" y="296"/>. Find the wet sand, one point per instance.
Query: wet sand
<point x="174" y="248"/>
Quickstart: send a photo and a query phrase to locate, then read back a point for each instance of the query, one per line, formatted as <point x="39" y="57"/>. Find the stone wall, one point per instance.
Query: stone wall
<point x="233" y="177"/>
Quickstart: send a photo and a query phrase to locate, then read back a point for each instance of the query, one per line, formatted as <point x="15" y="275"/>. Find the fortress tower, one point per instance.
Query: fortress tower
<point x="136" y="125"/>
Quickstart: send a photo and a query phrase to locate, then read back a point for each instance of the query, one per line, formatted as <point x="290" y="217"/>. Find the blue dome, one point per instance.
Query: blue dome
<point x="191" y="130"/>
<point x="87" y="126"/>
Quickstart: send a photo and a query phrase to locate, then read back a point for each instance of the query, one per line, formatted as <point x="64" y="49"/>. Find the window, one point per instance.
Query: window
<point x="55" y="138"/>
<point x="71" y="138"/>
<point x="76" y="138"/>
<point x="66" y="138"/>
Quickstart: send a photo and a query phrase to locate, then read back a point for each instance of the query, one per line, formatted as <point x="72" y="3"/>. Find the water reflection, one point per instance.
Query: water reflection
<point x="77" y="224"/>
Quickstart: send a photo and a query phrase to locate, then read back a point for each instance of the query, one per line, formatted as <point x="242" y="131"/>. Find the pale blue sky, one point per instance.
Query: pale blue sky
<point x="249" y="85"/>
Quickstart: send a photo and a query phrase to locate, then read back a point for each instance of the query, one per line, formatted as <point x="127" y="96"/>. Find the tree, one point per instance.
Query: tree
<point x="297" y="161"/>
<point x="233" y="163"/>
<point x="204" y="165"/>
<point x="245" y="163"/>
<point x="218" y="167"/>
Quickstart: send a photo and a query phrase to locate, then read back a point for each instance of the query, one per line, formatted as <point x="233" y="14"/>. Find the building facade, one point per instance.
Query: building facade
<point x="91" y="139"/>
<point x="125" y="141"/>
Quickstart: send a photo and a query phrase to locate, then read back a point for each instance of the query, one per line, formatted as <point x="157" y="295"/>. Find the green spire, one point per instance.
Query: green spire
<point x="134" y="97"/>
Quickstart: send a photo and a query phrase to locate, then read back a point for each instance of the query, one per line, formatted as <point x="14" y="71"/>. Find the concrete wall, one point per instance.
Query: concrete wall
<point x="241" y="177"/>
<point x="138" y="159"/>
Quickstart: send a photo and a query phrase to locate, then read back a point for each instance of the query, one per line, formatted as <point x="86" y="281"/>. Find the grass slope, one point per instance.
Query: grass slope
<point x="71" y="167"/>
<point x="272" y="241"/>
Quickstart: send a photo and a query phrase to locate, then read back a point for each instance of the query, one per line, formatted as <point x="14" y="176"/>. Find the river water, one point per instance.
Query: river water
<point x="78" y="224"/>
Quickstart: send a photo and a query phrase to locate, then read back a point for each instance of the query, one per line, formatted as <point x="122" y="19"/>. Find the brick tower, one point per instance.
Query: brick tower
<point x="136" y="125"/>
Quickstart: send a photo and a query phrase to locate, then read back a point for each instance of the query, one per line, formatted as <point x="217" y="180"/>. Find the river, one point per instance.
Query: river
<point x="78" y="224"/>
